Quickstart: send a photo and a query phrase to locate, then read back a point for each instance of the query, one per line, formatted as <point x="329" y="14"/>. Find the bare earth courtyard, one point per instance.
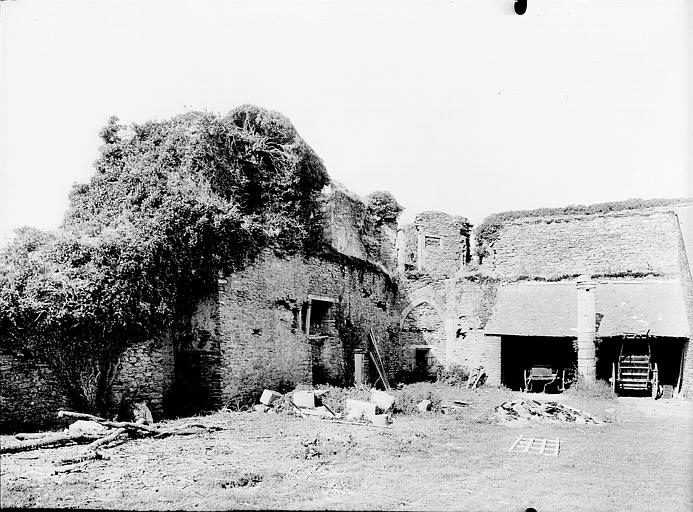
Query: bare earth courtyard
<point x="640" y="459"/>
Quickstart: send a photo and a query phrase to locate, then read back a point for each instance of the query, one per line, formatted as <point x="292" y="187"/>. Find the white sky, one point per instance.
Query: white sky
<point x="460" y="106"/>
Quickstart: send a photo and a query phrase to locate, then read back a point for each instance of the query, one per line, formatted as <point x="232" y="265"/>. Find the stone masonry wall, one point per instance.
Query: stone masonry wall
<point x="460" y="306"/>
<point x="30" y="395"/>
<point x="197" y="385"/>
<point x="261" y="320"/>
<point x="640" y="241"/>
<point x="344" y="214"/>
<point x="146" y="373"/>
<point x="443" y="242"/>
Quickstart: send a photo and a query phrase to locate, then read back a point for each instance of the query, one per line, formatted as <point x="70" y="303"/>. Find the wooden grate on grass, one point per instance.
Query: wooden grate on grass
<point x="548" y="447"/>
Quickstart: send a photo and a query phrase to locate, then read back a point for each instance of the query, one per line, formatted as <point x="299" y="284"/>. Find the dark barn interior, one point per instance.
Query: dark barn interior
<point x="519" y="353"/>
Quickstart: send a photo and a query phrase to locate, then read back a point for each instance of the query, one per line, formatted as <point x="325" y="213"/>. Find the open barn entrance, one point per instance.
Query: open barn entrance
<point x="520" y="353"/>
<point x="666" y="353"/>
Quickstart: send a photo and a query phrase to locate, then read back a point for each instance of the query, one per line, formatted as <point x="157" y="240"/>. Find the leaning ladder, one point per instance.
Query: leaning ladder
<point x="377" y="360"/>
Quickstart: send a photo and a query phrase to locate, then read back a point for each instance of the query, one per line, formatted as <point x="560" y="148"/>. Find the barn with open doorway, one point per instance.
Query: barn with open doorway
<point x="638" y="320"/>
<point x="537" y="326"/>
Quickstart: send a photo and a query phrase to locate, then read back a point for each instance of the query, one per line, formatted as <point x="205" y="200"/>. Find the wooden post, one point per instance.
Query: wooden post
<point x="310" y="305"/>
<point x="358" y="368"/>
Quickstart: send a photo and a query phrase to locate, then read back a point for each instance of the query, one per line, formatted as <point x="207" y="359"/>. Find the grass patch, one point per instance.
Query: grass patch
<point x="582" y="388"/>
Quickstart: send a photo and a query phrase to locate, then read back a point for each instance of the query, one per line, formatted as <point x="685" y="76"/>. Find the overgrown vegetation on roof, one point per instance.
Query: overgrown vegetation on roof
<point x="171" y="204"/>
<point x="488" y="231"/>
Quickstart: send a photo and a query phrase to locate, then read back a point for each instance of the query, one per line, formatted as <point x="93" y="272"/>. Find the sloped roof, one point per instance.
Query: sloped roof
<point x="655" y="306"/>
<point x="550" y="309"/>
<point x="535" y="309"/>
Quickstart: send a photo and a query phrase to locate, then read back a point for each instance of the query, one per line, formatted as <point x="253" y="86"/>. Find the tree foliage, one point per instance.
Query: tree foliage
<point x="171" y="203"/>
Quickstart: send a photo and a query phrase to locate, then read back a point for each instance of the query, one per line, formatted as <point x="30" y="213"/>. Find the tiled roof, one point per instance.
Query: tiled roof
<point x="550" y="309"/>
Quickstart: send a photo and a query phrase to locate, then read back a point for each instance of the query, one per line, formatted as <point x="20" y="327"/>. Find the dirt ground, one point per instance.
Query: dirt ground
<point x="641" y="459"/>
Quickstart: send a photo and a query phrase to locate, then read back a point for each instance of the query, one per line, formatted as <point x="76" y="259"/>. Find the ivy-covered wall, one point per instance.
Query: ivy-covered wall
<point x="262" y="315"/>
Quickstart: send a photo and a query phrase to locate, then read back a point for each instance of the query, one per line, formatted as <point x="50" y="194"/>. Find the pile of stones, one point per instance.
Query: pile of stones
<point x="521" y="410"/>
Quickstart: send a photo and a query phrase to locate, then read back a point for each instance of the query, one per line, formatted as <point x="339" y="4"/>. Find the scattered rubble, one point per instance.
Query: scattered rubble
<point x="304" y="399"/>
<point x="424" y="405"/>
<point x="269" y="397"/>
<point x="514" y="410"/>
<point x="383" y="400"/>
<point x="309" y="403"/>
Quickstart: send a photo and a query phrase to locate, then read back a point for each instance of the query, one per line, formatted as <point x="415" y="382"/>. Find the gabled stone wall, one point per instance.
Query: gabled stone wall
<point x="642" y="241"/>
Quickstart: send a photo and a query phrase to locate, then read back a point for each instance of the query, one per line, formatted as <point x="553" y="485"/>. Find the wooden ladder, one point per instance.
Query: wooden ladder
<point x="377" y="360"/>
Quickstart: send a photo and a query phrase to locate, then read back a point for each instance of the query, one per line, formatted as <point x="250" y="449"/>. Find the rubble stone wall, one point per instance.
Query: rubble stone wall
<point x="442" y="243"/>
<point x="30" y="395"/>
<point x="261" y="322"/>
<point x="343" y="215"/>
<point x="146" y="372"/>
<point x="634" y="241"/>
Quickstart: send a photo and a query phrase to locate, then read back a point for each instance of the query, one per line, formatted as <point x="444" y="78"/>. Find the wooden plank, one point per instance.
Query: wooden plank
<point x="322" y="298"/>
<point x="379" y="370"/>
<point x="379" y="366"/>
<point x="529" y="444"/>
<point x="515" y="443"/>
<point x="543" y="445"/>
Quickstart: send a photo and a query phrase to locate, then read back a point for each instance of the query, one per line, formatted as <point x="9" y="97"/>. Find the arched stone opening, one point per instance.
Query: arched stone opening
<point x="423" y="335"/>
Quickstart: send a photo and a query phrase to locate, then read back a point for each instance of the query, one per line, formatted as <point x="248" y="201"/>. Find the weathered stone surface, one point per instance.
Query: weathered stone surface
<point x="424" y="405"/>
<point x="632" y="241"/>
<point x="383" y="400"/>
<point x="30" y="395"/>
<point x="304" y="399"/>
<point x="86" y="427"/>
<point x="262" y="315"/>
<point x="357" y="409"/>
<point x="269" y="397"/>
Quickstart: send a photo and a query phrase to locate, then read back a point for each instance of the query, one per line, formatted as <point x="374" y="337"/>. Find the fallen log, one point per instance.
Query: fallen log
<point x="28" y="436"/>
<point x="82" y="458"/>
<point x="70" y="467"/>
<point x="106" y="439"/>
<point x="105" y="422"/>
<point x="49" y="441"/>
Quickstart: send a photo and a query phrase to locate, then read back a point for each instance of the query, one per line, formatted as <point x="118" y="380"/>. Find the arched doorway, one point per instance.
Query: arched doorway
<point x="422" y="332"/>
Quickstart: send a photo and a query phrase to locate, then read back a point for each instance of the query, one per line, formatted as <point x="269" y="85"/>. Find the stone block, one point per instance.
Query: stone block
<point x="269" y="397"/>
<point x="304" y="399"/>
<point x="261" y="408"/>
<point x="357" y="409"/>
<point x="380" y="420"/>
<point x="424" y="405"/>
<point x="383" y="400"/>
<point x="86" y="427"/>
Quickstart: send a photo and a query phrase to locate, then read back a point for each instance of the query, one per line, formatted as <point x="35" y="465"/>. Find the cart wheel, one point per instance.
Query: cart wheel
<point x="655" y="383"/>
<point x="613" y="377"/>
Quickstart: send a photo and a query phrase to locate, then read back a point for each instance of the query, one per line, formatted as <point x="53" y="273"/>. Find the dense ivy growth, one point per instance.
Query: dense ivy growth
<point x="171" y="204"/>
<point x="488" y="231"/>
<point x="381" y="209"/>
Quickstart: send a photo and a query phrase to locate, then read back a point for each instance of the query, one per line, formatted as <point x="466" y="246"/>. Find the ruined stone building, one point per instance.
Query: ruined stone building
<point x="557" y="290"/>
<point x="563" y="291"/>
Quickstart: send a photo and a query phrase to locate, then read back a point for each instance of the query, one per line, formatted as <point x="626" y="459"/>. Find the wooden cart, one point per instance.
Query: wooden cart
<point x="634" y="368"/>
<point x="543" y="375"/>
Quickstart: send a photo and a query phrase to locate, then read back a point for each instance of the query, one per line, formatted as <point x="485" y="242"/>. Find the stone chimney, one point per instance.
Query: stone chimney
<point x="586" y="326"/>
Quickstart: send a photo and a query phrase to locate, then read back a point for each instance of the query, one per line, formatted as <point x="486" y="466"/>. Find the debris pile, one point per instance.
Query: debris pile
<point x="514" y="410"/>
<point x="310" y="404"/>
